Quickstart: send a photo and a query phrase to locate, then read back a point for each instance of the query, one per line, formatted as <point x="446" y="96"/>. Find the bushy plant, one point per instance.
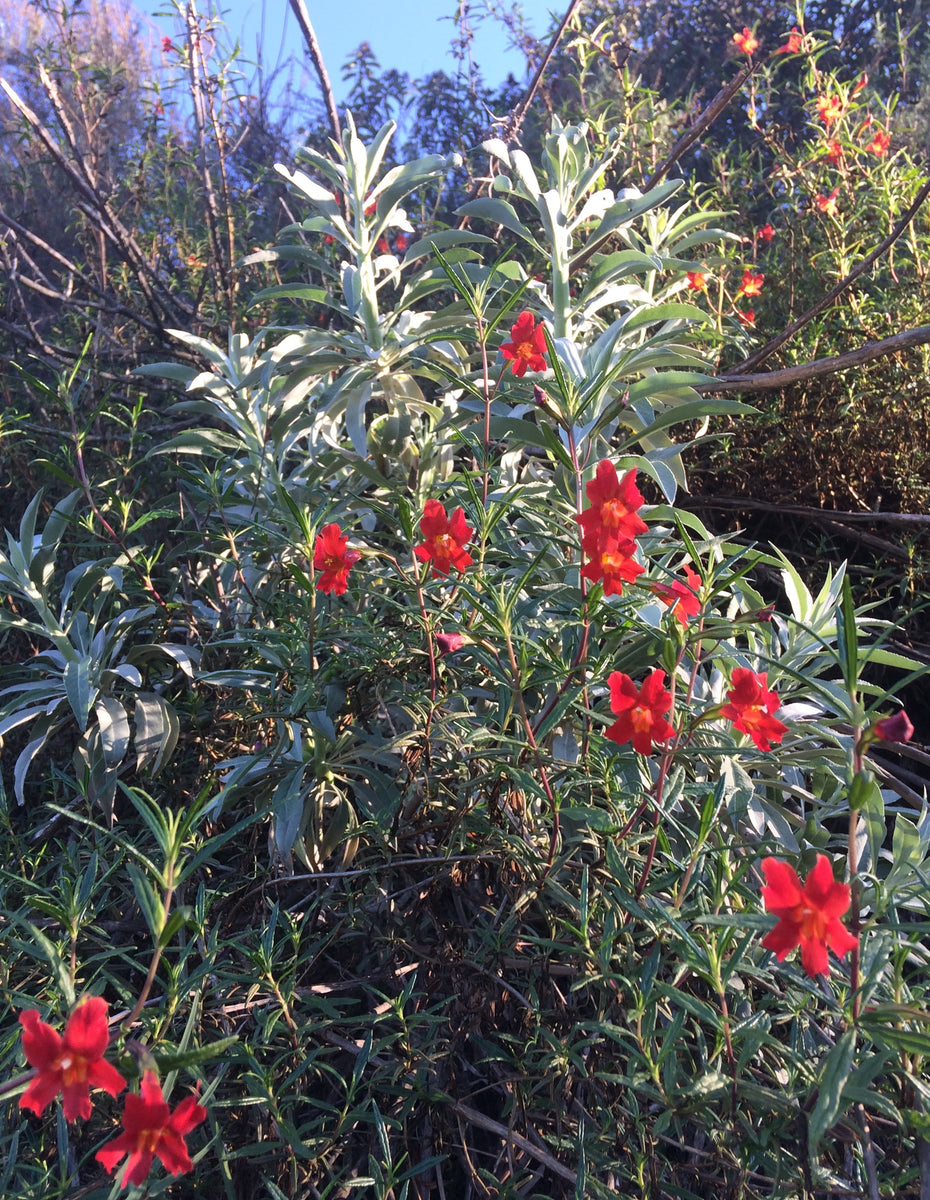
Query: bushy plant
<point x="491" y="764"/>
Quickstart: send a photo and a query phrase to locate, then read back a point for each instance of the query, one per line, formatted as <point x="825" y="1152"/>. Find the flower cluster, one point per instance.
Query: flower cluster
<point x="527" y="348"/>
<point x="609" y="528"/>
<point x="446" y="538"/>
<point x="640" y="712"/>
<point x="808" y="916"/>
<point x="683" y="599"/>
<point x="751" y="705"/>
<point x="332" y="556"/>
<point x="827" y="204"/>
<point x="746" y="41"/>
<point x="829" y="109"/>
<point x="69" y="1065"/>
<point x="73" y="1063"/>
<point x="151" y="1129"/>
<point x="794" y="44"/>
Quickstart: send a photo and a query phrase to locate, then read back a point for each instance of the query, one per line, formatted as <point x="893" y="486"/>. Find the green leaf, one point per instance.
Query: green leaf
<point x="499" y="212"/>
<point x="847" y="637"/>
<point x="60" y="971"/>
<point x="180" y="1059"/>
<point x="443" y="239"/>
<point x="152" y="908"/>
<point x="114" y="730"/>
<point x="79" y="691"/>
<point x="156" y="732"/>
<point x="290" y="291"/>
<point x="835" y="1072"/>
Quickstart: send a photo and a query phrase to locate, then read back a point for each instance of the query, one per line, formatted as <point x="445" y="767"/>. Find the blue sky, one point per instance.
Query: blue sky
<point x="410" y="35"/>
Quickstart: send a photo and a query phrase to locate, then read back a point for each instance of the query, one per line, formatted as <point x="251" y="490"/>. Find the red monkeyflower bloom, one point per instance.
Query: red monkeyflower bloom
<point x="640" y="713"/>
<point x="765" y="234"/>
<point x="402" y="241"/>
<point x="862" y="81"/>
<point x="697" y="281"/>
<point x="827" y="204"/>
<point x="683" y="599"/>
<point x="528" y="345"/>
<point x="794" y="44"/>
<point x="381" y="246"/>
<point x="808" y="917"/>
<point x="829" y="109"/>
<point x="747" y="318"/>
<point x="332" y="556"/>
<point x="614" y="504"/>
<point x="150" y="1128"/>
<point x="167" y="45"/>
<point x="834" y="153"/>
<point x="371" y="208"/>
<point x="895" y="729"/>
<point x="610" y="561"/>
<point x="751" y="285"/>
<point x="751" y="707"/>
<point x="445" y="539"/>
<point x="746" y="41"/>
<point x="879" y="144"/>
<point x="72" y="1064"/>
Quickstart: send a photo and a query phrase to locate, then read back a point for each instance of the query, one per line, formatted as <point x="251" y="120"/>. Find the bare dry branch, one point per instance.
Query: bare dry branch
<point x="299" y="8"/>
<point x="768" y="381"/>
<point x="517" y="117"/>
<point x="704" y="121"/>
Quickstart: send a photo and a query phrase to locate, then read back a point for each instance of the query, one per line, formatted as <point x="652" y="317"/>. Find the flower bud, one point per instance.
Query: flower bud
<point x="895" y="729"/>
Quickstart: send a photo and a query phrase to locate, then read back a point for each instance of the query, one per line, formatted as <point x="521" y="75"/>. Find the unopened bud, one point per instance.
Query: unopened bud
<point x="449" y="642"/>
<point x="895" y="729"/>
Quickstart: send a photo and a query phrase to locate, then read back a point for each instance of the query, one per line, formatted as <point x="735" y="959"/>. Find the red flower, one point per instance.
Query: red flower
<point x="829" y="109"/>
<point x="794" y="44"/>
<point x="746" y="41"/>
<point x="895" y="729"/>
<point x="445" y="539"/>
<point x="751" y="707"/>
<point x="879" y="144"/>
<point x="765" y="234"/>
<point x="332" y="556"/>
<point x="381" y="246"/>
<point x="697" y="281"/>
<point x="528" y="347"/>
<point x="72" y="1064"/>
<point x="860" y="84"/>
<point x="449" y="642"/>
<point x="640" y="714"/>
<point x="611" y="560"/>
<point x="167" y="45"/>
<point x="614" y="504"/>
<point x="827" y="204"/>
<point x="834" y="153"/>
<point x="746" y="318"/>
<point x="683" y="598"/>
<point x="808" y="917"/>
<point x="150" y="1128"/>
<point x="402" y="241"/>
<point x="751" y="285"/>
